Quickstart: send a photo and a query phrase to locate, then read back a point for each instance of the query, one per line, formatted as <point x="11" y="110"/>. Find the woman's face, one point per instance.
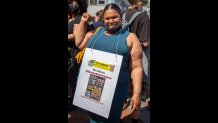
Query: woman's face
<point x="112" y="19"/>
<point x="74" y="7"/>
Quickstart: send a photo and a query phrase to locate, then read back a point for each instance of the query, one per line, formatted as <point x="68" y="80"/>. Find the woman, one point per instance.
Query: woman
<point x="98" y="19"/>
<point x="114" y="39"/>
<point x="73" y="68"/>
<point x="75" y="9"/>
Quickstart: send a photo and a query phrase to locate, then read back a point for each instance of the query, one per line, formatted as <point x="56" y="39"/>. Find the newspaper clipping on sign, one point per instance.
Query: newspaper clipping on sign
<point x="97" y="81"/>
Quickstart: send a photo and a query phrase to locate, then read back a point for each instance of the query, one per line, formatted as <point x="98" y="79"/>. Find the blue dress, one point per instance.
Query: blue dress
<point x="108" y="43"/>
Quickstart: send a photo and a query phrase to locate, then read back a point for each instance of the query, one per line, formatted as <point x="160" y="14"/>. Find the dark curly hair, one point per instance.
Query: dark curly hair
<point x="82" y="5"/>
<point x="69" y="12"/>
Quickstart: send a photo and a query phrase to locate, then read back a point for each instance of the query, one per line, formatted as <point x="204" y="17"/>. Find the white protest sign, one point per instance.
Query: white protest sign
<point x="97" y="81"/>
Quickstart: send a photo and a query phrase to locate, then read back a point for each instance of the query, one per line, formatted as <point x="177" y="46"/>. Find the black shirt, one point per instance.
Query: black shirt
<point x="140" y="26"/>
<point x="77" y="19"/>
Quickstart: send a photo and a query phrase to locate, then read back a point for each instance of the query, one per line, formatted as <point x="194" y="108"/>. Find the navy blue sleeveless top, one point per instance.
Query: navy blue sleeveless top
<point x="108" y="43"/>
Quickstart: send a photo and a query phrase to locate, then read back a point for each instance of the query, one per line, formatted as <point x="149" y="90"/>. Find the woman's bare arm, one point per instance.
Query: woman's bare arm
<point x="136" y="74"/>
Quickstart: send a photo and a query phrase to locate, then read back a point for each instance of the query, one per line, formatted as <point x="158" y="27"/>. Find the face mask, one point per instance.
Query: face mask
<point x="112" y="29"/>
<point x="74" y="8"/>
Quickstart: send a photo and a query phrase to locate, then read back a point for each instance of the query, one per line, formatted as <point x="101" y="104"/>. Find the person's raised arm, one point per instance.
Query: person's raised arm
<point x="81" y="29"/>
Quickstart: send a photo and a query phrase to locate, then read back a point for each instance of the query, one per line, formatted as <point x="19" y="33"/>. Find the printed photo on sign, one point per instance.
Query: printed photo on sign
<point x="95" y="87"/>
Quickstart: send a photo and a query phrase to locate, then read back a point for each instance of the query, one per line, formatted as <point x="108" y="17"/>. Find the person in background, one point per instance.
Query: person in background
<point x="76" y="9"/>
<point x="98" y="19"/>
<point x="141" y="28"/>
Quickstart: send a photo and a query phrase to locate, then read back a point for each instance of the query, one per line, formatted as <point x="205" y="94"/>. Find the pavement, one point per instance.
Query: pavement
<point x="80" y="116"/>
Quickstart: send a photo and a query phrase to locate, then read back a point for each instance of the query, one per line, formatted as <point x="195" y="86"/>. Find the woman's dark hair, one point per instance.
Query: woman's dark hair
<point x="82" y="5"/>
<point x="113" y="6"/>
<point x="69" y="12"/>
<point x="134" y="2"/>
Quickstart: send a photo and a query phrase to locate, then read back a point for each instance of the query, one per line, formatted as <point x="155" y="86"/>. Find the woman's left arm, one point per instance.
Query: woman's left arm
<point x="136" y="74"/>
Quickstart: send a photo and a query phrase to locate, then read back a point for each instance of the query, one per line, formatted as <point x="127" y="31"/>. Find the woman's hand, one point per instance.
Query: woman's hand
<point x="135" y="102"/>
